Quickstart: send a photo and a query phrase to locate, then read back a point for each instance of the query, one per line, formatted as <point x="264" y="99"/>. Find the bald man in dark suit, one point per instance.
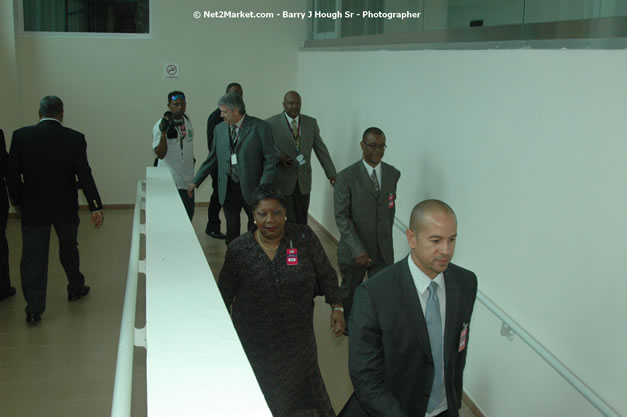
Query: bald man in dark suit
<point x="410" y="326"/>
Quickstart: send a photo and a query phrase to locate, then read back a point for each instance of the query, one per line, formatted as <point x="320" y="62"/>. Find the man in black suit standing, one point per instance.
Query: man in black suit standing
<point x="244" y="154"/>
<point x="213" y="213"/>
<point x="6" y="290"/>
<point x="409" y="327"/>
<point x="44" y="162"/>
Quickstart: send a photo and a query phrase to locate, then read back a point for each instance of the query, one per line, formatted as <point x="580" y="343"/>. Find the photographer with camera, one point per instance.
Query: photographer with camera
<point x="172" y="141"/>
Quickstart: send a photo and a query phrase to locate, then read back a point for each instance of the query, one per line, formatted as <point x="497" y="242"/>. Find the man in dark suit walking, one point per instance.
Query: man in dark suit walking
<point x="244" y="154"/>
<point x="44" y="162"/>
<point x="295" y="135"/>
<point x="410" y="324"/>
<point x="6" y="290"/>
<point x="365" y="204"/>
<point x="213" y="213"/>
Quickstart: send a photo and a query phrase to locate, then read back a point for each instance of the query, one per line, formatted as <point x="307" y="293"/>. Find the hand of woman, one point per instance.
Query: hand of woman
<point x="337" y="322"/>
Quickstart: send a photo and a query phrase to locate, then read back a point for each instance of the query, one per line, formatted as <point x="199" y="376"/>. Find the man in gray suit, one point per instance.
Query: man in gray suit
<point x="244" y="153"/>
<point x="295" y="135"/>
<point x="365" y="203"/>
<point x="410" y="326"/>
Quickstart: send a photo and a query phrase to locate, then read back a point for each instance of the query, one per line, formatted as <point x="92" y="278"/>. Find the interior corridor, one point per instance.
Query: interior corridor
<point x="64" y="365"/>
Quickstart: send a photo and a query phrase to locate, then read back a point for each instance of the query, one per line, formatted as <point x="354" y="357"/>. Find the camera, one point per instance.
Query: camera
<point x="169" y="125"/>
<point x="166" y="121"/>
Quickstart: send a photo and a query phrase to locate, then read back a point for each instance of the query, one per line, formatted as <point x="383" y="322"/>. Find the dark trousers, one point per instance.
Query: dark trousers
<point x="188" y="202"/>
<point x="5" y="280"/>
<point x="297" y="206"/>
<point x="233" y="205"/>
<point x="213" y="214"/>
<point x="352" y="276"/>
<point x="34" y="264"/>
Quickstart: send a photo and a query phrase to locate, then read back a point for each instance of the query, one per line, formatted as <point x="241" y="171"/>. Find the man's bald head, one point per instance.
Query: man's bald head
<point x="424" y="209"/>
<point x="431" y="236"/>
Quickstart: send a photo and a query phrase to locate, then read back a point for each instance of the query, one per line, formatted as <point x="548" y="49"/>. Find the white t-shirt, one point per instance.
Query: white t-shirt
<point x="180" y="156"/>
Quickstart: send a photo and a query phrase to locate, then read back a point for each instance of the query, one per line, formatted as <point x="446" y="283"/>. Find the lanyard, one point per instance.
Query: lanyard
<point x="182" y="131"/>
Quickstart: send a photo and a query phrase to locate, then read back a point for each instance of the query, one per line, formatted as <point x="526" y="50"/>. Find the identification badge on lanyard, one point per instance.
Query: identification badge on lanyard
<point x="233" y="159"/>
<point x="301" y="159"/>
<point x="292" y="256"/>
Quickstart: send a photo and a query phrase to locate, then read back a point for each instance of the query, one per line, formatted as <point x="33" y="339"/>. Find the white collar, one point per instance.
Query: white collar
<point x="369" y="167"/>
<point x="43" y="119"/>
<point x="421" y="280"/>
<point x="289" y="119"/>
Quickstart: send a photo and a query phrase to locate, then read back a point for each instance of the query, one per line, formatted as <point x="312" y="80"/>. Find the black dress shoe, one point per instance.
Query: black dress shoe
<point x="33" y="317"/>
<point x="217" y="235"/>
<point x="9" y="293"/>
<point x="73" y="296"/>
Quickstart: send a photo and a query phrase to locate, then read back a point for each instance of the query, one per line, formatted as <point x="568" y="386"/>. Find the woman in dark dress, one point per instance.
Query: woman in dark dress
<point x="270" y="276"/>
<point x="6" y="290"/>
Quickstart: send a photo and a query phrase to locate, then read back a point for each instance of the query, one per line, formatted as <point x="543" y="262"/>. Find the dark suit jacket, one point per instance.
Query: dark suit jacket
<point x="44" y="163"/>
<point x="365" y="222"/>
<point x="286" y="178"/>
<point x="255" y="157"/>
<point x="4" y="198"/>
<point x="213" y="120"/>
<point x="390" y="358"/>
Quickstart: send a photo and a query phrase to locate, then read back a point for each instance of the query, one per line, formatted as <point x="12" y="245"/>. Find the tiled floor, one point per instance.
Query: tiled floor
<point x="64" y="366"/>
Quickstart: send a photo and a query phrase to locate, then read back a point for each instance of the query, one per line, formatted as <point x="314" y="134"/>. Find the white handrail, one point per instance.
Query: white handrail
<point x="195" y="363"/>
<point x="122" y="388"/>
<point x="548" y="357"/>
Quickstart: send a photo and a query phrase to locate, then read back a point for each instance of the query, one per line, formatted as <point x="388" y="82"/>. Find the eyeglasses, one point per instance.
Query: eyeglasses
<point x="174" y="98"/>
<point x="374" y="146"/>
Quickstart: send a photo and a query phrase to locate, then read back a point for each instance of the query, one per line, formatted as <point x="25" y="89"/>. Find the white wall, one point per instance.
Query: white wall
<point x="114" y="89"/>
<point x="528" y="147"/>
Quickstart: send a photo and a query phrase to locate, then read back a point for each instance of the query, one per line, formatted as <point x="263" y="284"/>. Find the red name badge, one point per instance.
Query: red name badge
<point x="391" y="200"/>
<point x="463" y="337"/>
<point x="292" y="256"/>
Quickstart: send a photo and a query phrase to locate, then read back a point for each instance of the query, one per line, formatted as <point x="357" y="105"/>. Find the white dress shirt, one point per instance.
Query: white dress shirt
<point x="289" y="120"/>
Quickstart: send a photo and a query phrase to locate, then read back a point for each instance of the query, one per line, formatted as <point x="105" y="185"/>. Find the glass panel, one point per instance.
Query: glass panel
<point x="442" y="15"/>
<point x="324" y="25"/>
<point x="409" y="24"/>
<point x="464" y="13"/>
<point x="358" y="25"/>
<point x="98" y="16"/>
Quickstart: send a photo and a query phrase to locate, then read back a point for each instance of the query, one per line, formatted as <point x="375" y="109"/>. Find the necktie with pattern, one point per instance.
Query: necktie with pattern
<point x="232" y="134"/>
<point x="375" y="180"/>
<point x="294" y="126"/>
